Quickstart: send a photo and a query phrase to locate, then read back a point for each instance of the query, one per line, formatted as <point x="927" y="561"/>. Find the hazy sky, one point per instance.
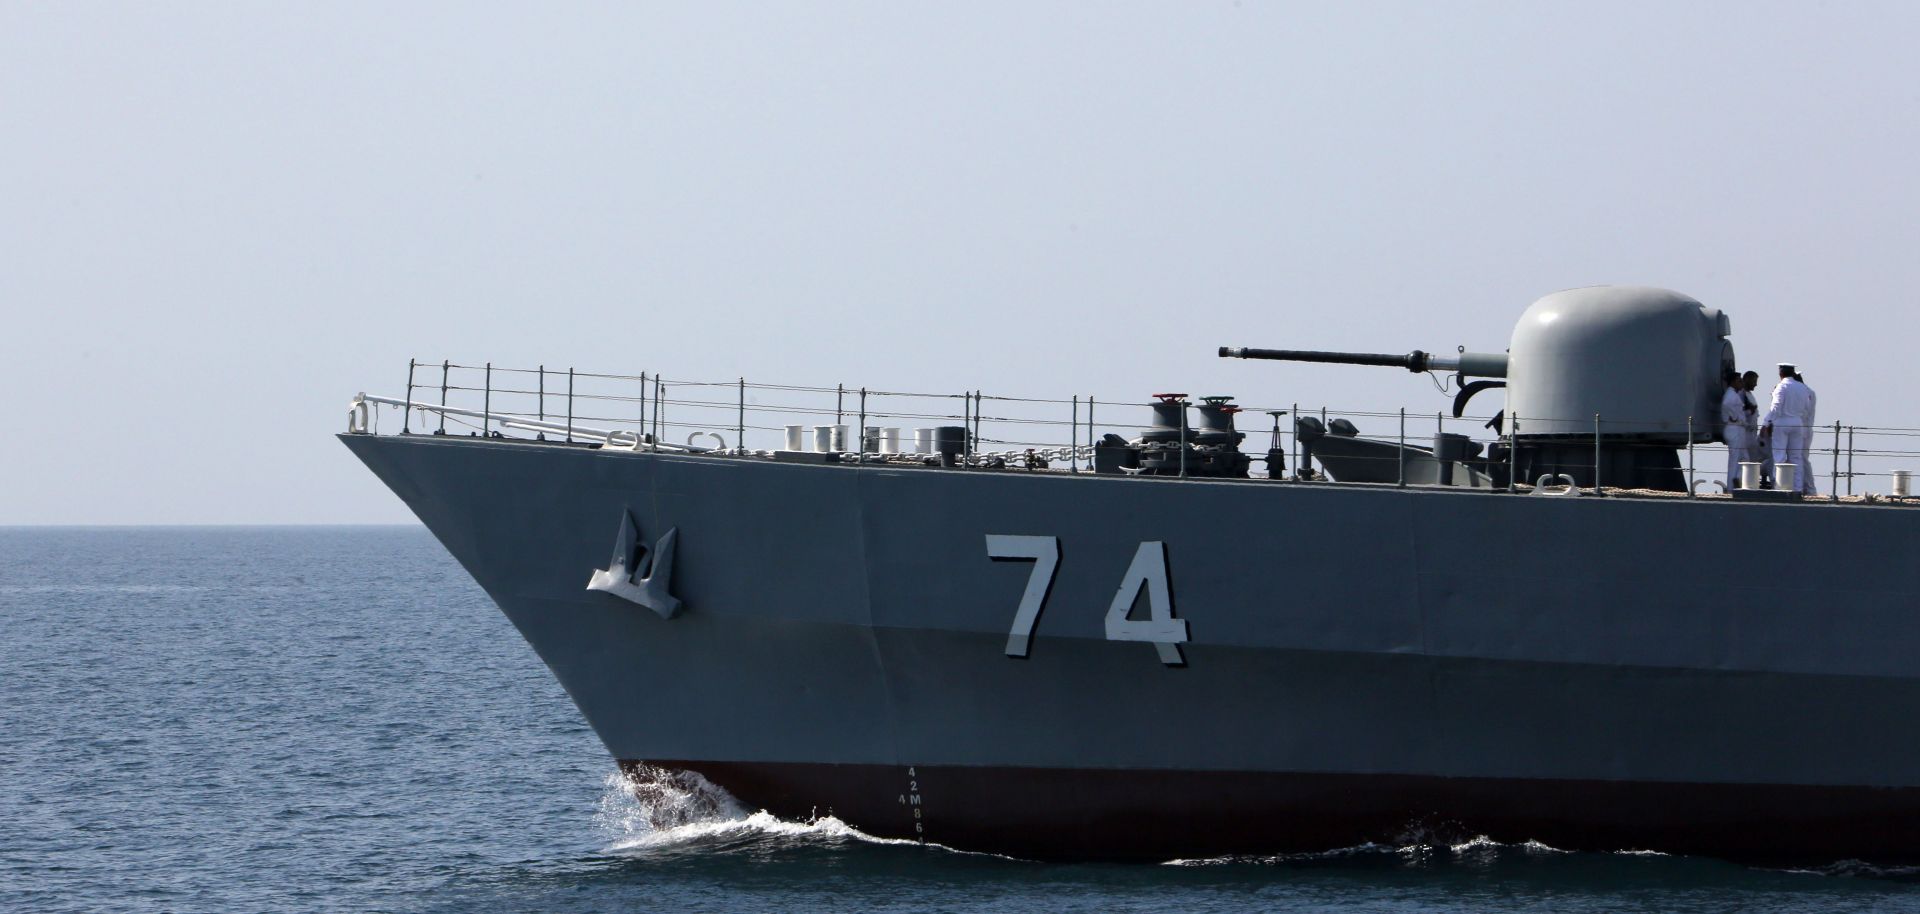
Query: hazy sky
<point x="219" y="221"/>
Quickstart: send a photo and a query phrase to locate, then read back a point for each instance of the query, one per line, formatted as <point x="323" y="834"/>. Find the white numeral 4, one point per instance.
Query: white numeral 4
<point x="1149" y="570"/>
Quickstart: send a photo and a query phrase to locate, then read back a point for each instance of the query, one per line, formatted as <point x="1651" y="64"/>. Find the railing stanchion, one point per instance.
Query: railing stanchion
<point x="1596" y="456"/>
<point x="862" y="430"/>
<point x="1834" y="480"/>
<point x="1073" y="439"/>
<point x="659" y="411"/>
<point x="406" y="412"/>
<point x="542" y="436"/>
<point x="1298" y="470"/>
<point x="569" y="405"/>
<point x="644" y="428"/>
<point x="839" y="404"/>
<point x="1091" y="444"/>
<point x="977" y="397"/>
<point x="1183" y="436"/>
<point x="1850" y="431"/>
<point x="1513" y="451"/>
<point x="1403" y="447"/>
<point x="445" y="366"/>
<point x="1691" y="482"/>
<point x="740" y="429"/>
<point x="966" y="429"/>
<point x="486" y="405"/>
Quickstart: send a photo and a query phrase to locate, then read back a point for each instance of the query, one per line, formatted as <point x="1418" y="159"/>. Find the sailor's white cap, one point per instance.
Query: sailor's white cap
<point x="1787" y="365"/>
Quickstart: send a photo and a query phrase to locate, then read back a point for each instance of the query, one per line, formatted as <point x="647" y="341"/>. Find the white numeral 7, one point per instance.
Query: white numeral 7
<point x="1044" y="553"/>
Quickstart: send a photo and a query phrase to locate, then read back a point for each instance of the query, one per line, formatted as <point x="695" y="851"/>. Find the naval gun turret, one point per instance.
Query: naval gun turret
<point x="1604" y="384"/>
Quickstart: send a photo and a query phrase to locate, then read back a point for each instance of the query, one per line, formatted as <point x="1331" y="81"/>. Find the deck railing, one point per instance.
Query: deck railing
<point x="742" y="417"/>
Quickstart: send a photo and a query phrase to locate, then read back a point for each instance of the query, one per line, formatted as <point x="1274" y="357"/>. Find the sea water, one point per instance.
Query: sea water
<point x="337" y="719"/>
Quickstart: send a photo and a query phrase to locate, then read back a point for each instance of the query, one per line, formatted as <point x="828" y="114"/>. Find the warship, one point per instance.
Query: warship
<point x="1164" y="643"/>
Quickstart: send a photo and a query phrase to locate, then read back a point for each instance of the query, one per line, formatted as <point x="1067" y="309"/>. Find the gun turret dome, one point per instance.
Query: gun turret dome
<point x="1643" y="359"/>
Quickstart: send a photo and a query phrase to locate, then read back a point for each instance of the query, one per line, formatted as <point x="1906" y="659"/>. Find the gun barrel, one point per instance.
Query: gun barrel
<point x="1413" y="361"/>
<point x="1478" y="364"/>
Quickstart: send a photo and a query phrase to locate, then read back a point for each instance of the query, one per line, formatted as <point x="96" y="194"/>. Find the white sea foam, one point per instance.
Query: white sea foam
<point x="762" y="824"/>
<point x="1475" y="843"/>
<point x="652" y="801"/>
<point x="1480" y="846"/>
<point x="1302" y="857"/>
<point x="665" y="810"/>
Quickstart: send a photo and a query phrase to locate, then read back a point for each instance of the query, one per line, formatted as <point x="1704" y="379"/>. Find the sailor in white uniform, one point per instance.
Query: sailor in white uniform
<point x="1786" y="423"/>
<point x="1733" y="430"/>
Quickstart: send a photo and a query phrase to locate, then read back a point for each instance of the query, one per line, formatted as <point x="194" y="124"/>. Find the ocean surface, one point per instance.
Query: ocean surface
<point x="337" y="719"/>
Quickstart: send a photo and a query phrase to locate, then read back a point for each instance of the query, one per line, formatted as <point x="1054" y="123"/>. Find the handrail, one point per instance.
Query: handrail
<point x="611" y="410"/>
<point x="528" y="423"/>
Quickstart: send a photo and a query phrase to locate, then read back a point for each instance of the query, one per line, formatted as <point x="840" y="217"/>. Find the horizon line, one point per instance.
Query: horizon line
<point x="205" y="526"/>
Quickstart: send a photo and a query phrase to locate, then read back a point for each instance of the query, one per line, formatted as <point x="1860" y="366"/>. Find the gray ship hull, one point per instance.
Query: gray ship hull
<point x="1361" y="662"/>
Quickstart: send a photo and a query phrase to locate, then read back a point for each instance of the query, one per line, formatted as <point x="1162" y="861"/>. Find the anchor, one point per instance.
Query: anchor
<point x="637" y="576"/>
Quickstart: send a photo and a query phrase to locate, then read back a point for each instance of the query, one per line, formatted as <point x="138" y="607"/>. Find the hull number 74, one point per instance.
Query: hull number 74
<point x="1148" y="572"/>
